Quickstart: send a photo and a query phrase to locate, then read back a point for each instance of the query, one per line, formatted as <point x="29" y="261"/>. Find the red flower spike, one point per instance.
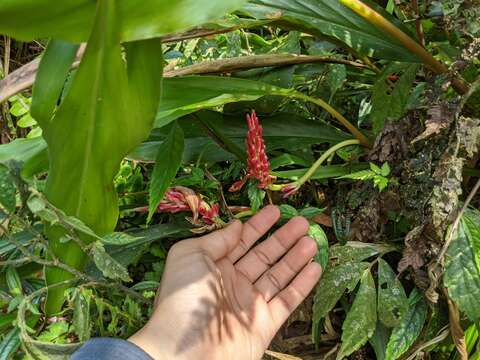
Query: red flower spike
<point x="181" y="198"/>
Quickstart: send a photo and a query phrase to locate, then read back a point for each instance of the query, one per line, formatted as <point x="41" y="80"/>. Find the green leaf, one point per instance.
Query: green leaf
<point x="72" y="20"/>
<point x="410" y="327"/>
<point x="392" y="300"/>
<point x="111" y="119"/>
<point x="471" y="219"/>
<point x="359" y="175"/>
<point x="169" y="159"/>
<point x="286" y="160"/>
<point x="81" y="314"/>
<point x="109" y="267"/>
<point x="462" y="275"/>
<point x="310" y="212"/>
<point x="353" y="251"/>
<point x="7" y="190"/>
<point x="119" y="239"/>
<point x="31" y="152"/>
<point x="184" y="95"/>
<point x="26" y="121"/>
<point x="379" y="340"/>
<point x="13" y="281"/>
<point x="49" y="81"/>
<point x="375" y="169"/>
<point x="287" y="212"/>
<point x="316" y="232"/>
<point x="255" y="195"/>
<point x="385" y="170"/>
<point x="335" y="280"/>
<point x="361" y="320"/>
<point x="10" y="344"/>
<point x="332" y="20"/>
<point x="389" y="100"/>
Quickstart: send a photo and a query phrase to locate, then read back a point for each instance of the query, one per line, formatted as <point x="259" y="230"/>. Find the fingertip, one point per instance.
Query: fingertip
<point x="314" y="270"/>
<point x="301" y="223"/>
<point x="308" y="246"/>
<point x="274" y="210"/>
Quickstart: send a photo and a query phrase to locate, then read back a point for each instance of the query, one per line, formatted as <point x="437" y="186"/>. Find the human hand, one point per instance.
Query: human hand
<point x="219" y="299"/>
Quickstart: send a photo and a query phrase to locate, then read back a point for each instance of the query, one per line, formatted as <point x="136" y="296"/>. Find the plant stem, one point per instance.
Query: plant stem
<point x="324" y="157"/>
<point x="353" y="130"/>
<point x="383" y="24"/>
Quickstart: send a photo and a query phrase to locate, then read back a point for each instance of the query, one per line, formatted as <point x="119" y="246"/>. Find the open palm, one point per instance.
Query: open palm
<point x="219" y="299"/>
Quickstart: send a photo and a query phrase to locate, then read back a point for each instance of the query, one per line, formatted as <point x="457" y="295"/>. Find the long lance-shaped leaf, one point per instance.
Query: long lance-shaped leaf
<point x="102" y="118"/>
<point x="332" y="20"/>
<point x="72" y="20"/>
<point x="167" y="163"/>
<point x="56" y="62"/>
<point x="211" y="91"/>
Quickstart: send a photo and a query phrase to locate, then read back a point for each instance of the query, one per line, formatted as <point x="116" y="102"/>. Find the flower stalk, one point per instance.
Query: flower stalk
<point x="293" y="187"/>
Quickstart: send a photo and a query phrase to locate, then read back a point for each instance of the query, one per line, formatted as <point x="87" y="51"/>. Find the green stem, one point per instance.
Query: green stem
<point x="383" y="24"/>
<point x="324" y="157"/>
<point x="298" y="183"/>
<point x="353" y="130"/>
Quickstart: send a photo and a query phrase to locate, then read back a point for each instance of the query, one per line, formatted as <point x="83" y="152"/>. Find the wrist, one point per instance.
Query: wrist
<point x="154" y="342"/>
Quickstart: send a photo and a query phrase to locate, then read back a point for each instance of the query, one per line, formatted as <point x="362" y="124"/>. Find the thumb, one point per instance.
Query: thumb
<point x="220" y="243"/>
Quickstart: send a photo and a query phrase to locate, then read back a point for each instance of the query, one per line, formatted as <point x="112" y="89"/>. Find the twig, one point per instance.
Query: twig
<point x="418" y="23"/>
<point x="24" y="77"/>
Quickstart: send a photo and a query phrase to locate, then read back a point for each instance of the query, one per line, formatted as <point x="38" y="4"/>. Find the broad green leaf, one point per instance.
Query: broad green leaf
<point x="462" y="276"/>
<point x="7" y="190"/>
<point x="390" y="99"/>
<point x="129" y="253"/>
<point x="109" y="267"/>
<point x="280" y="131"/>
<point x="184" y="95"/>
<point x="32" y="152"/>
<point x="392" y="300"/>
<point x="410" y="327"/>
<point x="353" y="251"/>
<point x="50" y="78"/>
<point x="335" y="280"/>
<point x="81" y="315"/>
<point x="168" y="161"/>
<point x="471" y="219"/>
<point x="334" y="21"/>
<point x="361" y="320"/>
<point x="111" y="119"/>
<point x="316" y="232"/>
<point x="72" y="20"/>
